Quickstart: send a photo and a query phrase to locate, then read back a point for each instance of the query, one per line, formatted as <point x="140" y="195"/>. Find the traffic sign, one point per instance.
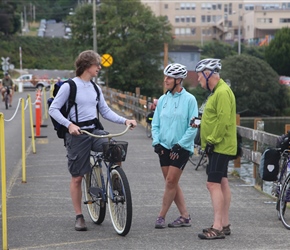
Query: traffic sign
<point x="107" y="60"/>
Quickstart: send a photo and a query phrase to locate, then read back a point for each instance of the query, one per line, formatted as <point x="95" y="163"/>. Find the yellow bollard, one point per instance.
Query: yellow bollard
<point x="31" y="125"/>
<point x="45" y="104"/>
<point x="3" y="181"/>
<point x="23" y="142"/>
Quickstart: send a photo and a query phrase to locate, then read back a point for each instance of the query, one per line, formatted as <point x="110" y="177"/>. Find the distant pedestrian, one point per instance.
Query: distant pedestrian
<point x="78" y="146"/>
<point x="219" y="141"/>
<point x="7" y="82"/>
<point x="173" y="141"/>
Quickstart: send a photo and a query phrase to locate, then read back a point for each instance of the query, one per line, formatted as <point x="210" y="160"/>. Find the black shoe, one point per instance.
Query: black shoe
<point x="80" y="224"/>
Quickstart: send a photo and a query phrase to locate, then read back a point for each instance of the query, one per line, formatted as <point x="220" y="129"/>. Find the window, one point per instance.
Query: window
<point x="176" y="31"/>
<point x="182" y="6"/>
<point x="193" y="31"/>
<point x="166" y="6"/>
<point x="240" y="6"/>
<point x="226" y="8"/>
<point x="264" y="20"/>
<point x="177" y="19"/>
<point x="193" y="6"/>
<point x="214" y="7"/>
<point x="188" y="19"/>
<point x="249" y="7"/>
<point x="203" y="6"/>
<point x="193" y="20"/>
<point x="284" y="20"/>
<point x="203" y="18"/>
<point x="230" y="24"/>
<point x="208" y="19"/>
<point x="182" y="19"/>
<point x="219" y="6"/>
<point x="188" y="6"/>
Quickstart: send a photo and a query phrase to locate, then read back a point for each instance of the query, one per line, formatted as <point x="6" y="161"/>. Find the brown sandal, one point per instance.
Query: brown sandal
<point x="211" y="234"/>
<point x="226" y="229"/>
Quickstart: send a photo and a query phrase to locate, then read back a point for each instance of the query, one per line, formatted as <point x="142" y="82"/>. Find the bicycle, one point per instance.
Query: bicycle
<point x="115" y="192"/>
<point x="281" y="189"/>
<point x="149" y="119"/>
<point x="203" y="160"/>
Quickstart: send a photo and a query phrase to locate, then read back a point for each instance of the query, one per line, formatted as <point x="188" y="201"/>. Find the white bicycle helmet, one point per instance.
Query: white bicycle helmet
<point x="175" y="70"/>
<point x="210" y="64"/>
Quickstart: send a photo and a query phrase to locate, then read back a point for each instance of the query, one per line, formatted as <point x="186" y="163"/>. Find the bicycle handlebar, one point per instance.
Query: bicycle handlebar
<point x="110" y="136"/>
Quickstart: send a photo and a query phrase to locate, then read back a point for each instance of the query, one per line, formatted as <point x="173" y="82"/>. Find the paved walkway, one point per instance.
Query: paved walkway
<point x="40" y="213"/>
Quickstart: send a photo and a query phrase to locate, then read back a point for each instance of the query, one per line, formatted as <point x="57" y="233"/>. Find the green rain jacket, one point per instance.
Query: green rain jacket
<point x="218" y="123"/>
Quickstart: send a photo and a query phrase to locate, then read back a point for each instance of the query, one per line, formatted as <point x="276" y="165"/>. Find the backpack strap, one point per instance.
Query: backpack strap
<point x="98" y="96"/>
<point x="72" y="98"/>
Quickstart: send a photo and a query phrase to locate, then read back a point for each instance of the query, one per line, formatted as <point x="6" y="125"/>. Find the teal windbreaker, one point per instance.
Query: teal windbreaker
<point x="170" y="124"/>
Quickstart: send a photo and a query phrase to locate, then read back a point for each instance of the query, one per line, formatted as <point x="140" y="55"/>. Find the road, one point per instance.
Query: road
<point x="40" y="213"/>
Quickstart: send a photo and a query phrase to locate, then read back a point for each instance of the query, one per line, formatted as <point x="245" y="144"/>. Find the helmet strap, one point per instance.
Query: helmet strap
<point x="206" y="78"/>
<point x="173" y="86"/>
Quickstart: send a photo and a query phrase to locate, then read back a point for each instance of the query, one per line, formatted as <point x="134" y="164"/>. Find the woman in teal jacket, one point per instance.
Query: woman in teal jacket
<point x="173" y="139"/>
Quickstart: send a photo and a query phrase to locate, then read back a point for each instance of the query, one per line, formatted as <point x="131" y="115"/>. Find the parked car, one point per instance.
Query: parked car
<point x="30" y="81"/>
<point x="284" y="80"/>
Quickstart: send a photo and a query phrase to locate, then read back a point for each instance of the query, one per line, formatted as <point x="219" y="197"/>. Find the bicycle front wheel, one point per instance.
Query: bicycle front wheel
<point x="6" y="99"/>
<point x="284" y="202"/>
<point x="120" y="201"/>
<point x="95" y="204"/>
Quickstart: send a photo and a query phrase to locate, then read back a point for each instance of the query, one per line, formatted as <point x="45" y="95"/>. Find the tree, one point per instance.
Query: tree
<point x="9" y="19"/>
<point x="217" y="49"/>
<point x="255" y="85"/>
<point x="132" y="35"/>
<point x="277" y="54"/>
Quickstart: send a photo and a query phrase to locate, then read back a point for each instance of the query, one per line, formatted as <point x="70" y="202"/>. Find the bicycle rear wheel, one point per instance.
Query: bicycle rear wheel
<point x="95" y="204"/>
<point x="284" y="202"/>
<point x="278" y="187"/>
<point x="120" y="205"/>
<point x="148" y="130"/>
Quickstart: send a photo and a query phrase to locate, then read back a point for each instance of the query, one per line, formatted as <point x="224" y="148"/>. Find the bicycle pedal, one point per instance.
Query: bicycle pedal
<point x="88" y="202"/>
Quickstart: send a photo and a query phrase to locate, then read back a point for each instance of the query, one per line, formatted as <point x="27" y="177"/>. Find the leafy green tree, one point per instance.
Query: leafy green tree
<point x="9" y="19"/>
<point x="277" y="54"/>
<point x="217" y="49"/>
<point x="132" y="35"/>
<point x="255" y="85"/>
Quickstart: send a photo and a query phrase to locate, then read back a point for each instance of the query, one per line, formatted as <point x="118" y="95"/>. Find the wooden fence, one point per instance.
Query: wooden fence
<point x="256" y="139"/>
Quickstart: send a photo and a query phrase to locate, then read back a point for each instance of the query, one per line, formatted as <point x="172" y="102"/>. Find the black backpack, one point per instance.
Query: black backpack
<point x="60" y="129"/>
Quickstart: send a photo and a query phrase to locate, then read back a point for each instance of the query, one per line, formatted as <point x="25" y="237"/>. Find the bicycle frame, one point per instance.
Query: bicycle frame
<point x="115" y="191"/>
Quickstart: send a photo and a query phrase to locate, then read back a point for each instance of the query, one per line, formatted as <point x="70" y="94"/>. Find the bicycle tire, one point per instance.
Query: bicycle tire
<point x="284" y="199"/>
<point x="6" y="99"/>
<point x="281" y="180"/>
<point x="96" y="206"/>
<point x="148" y="130"/>
<point x="120" y="205"/>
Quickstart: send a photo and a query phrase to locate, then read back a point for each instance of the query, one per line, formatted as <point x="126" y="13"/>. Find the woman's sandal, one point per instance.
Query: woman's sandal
<point x="211" y="234"/>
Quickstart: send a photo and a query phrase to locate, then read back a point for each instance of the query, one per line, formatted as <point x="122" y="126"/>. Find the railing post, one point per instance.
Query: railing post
<point x="237" y="162"/>
<point x="258" y="125"/>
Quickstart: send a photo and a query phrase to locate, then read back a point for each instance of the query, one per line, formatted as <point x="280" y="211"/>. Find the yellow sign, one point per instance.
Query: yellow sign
<point x="107" y="60"/>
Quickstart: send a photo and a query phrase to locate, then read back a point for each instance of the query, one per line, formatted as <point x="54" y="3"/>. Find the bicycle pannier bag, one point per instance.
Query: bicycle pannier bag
<point x="269" y="165"/>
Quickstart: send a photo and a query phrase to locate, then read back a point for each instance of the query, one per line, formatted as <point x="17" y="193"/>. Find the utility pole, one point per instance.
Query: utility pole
<point x="94" y="26"/>
<point x="239" y="35"/>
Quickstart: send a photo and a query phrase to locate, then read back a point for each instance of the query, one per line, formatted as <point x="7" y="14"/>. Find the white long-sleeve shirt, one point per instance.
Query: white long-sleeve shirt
<point x="86" y="99"/>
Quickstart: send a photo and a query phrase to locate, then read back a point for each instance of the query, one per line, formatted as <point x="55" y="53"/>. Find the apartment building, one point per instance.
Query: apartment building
<point x="253" y="22"/>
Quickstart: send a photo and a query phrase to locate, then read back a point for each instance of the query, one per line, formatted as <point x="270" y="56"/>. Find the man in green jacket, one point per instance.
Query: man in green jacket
<point x="219" y="141"/>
